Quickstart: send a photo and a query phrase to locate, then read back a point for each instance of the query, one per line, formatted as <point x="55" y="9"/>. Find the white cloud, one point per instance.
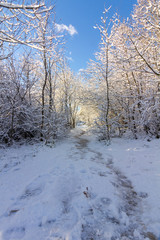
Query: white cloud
<point x="70" y="29"/>
<point x="80" y="71"/>
<point x="70" y="59"/>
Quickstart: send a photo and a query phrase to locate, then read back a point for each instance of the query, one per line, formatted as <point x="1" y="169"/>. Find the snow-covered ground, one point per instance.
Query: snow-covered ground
<point x="81" y="190"/>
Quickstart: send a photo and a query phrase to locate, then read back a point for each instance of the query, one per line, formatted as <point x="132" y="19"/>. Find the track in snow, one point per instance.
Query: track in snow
<point x="130" y="207"/>
<point x="80" y="196"/>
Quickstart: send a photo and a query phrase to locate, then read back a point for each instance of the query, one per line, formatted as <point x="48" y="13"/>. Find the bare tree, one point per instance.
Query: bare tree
<point x="18" y="25"/>
<point x="102" y="70"/>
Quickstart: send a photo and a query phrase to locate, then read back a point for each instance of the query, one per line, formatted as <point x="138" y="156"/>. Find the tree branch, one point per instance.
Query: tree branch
<point x="17" y="6"/>
<point x="148" y="65"/>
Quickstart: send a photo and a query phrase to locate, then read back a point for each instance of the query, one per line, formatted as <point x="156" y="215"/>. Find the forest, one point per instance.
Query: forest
<point x="41" y="98"/>
<point x="79" y="151"/>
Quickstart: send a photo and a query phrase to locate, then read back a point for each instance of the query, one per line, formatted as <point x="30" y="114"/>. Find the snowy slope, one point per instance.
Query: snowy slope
<point x="80" y="189"/>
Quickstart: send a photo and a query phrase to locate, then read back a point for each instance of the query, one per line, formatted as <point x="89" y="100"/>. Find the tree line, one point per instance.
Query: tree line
<point x="125" y="73"/>
<point x="41" y="98"/>
<point x="38" y="90"/>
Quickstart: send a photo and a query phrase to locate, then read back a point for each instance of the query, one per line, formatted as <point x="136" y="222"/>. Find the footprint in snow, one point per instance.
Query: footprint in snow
<point x="105" y="201"/>
<point x="14" y="233"/>
<point x="47" y="222"/>
<point x="143" y="194"/>
<point x="35" y="188"/>
<point x="103" y="174"/>
<point x="31" y="192"/>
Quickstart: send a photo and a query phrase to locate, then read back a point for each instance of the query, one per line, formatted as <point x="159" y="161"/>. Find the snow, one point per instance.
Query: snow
<point x="80" y="189"/>
<point x="140" y="161"/>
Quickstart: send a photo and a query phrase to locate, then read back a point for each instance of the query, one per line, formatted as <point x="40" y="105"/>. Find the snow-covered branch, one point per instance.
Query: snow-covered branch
<point x="20" y="6"/>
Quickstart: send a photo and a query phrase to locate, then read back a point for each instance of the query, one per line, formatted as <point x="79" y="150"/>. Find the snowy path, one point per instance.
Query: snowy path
<point x="128" y="223"/>
<point x="71" y="192"/>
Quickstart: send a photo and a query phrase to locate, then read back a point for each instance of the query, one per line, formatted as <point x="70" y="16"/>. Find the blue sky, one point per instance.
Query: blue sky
<point x="82" y="38"/>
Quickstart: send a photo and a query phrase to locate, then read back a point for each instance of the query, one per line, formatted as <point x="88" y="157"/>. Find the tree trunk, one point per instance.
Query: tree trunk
<point x="107" y="97"/>
<point x="43" y="91"/>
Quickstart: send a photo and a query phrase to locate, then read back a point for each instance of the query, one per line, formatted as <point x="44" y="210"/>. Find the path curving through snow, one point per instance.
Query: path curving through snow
<point x="74" y="191"/>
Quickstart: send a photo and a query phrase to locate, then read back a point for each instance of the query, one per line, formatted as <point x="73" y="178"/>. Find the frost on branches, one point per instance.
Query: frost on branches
<point x="33" y="75"/>
<point x="125" y="73"/>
